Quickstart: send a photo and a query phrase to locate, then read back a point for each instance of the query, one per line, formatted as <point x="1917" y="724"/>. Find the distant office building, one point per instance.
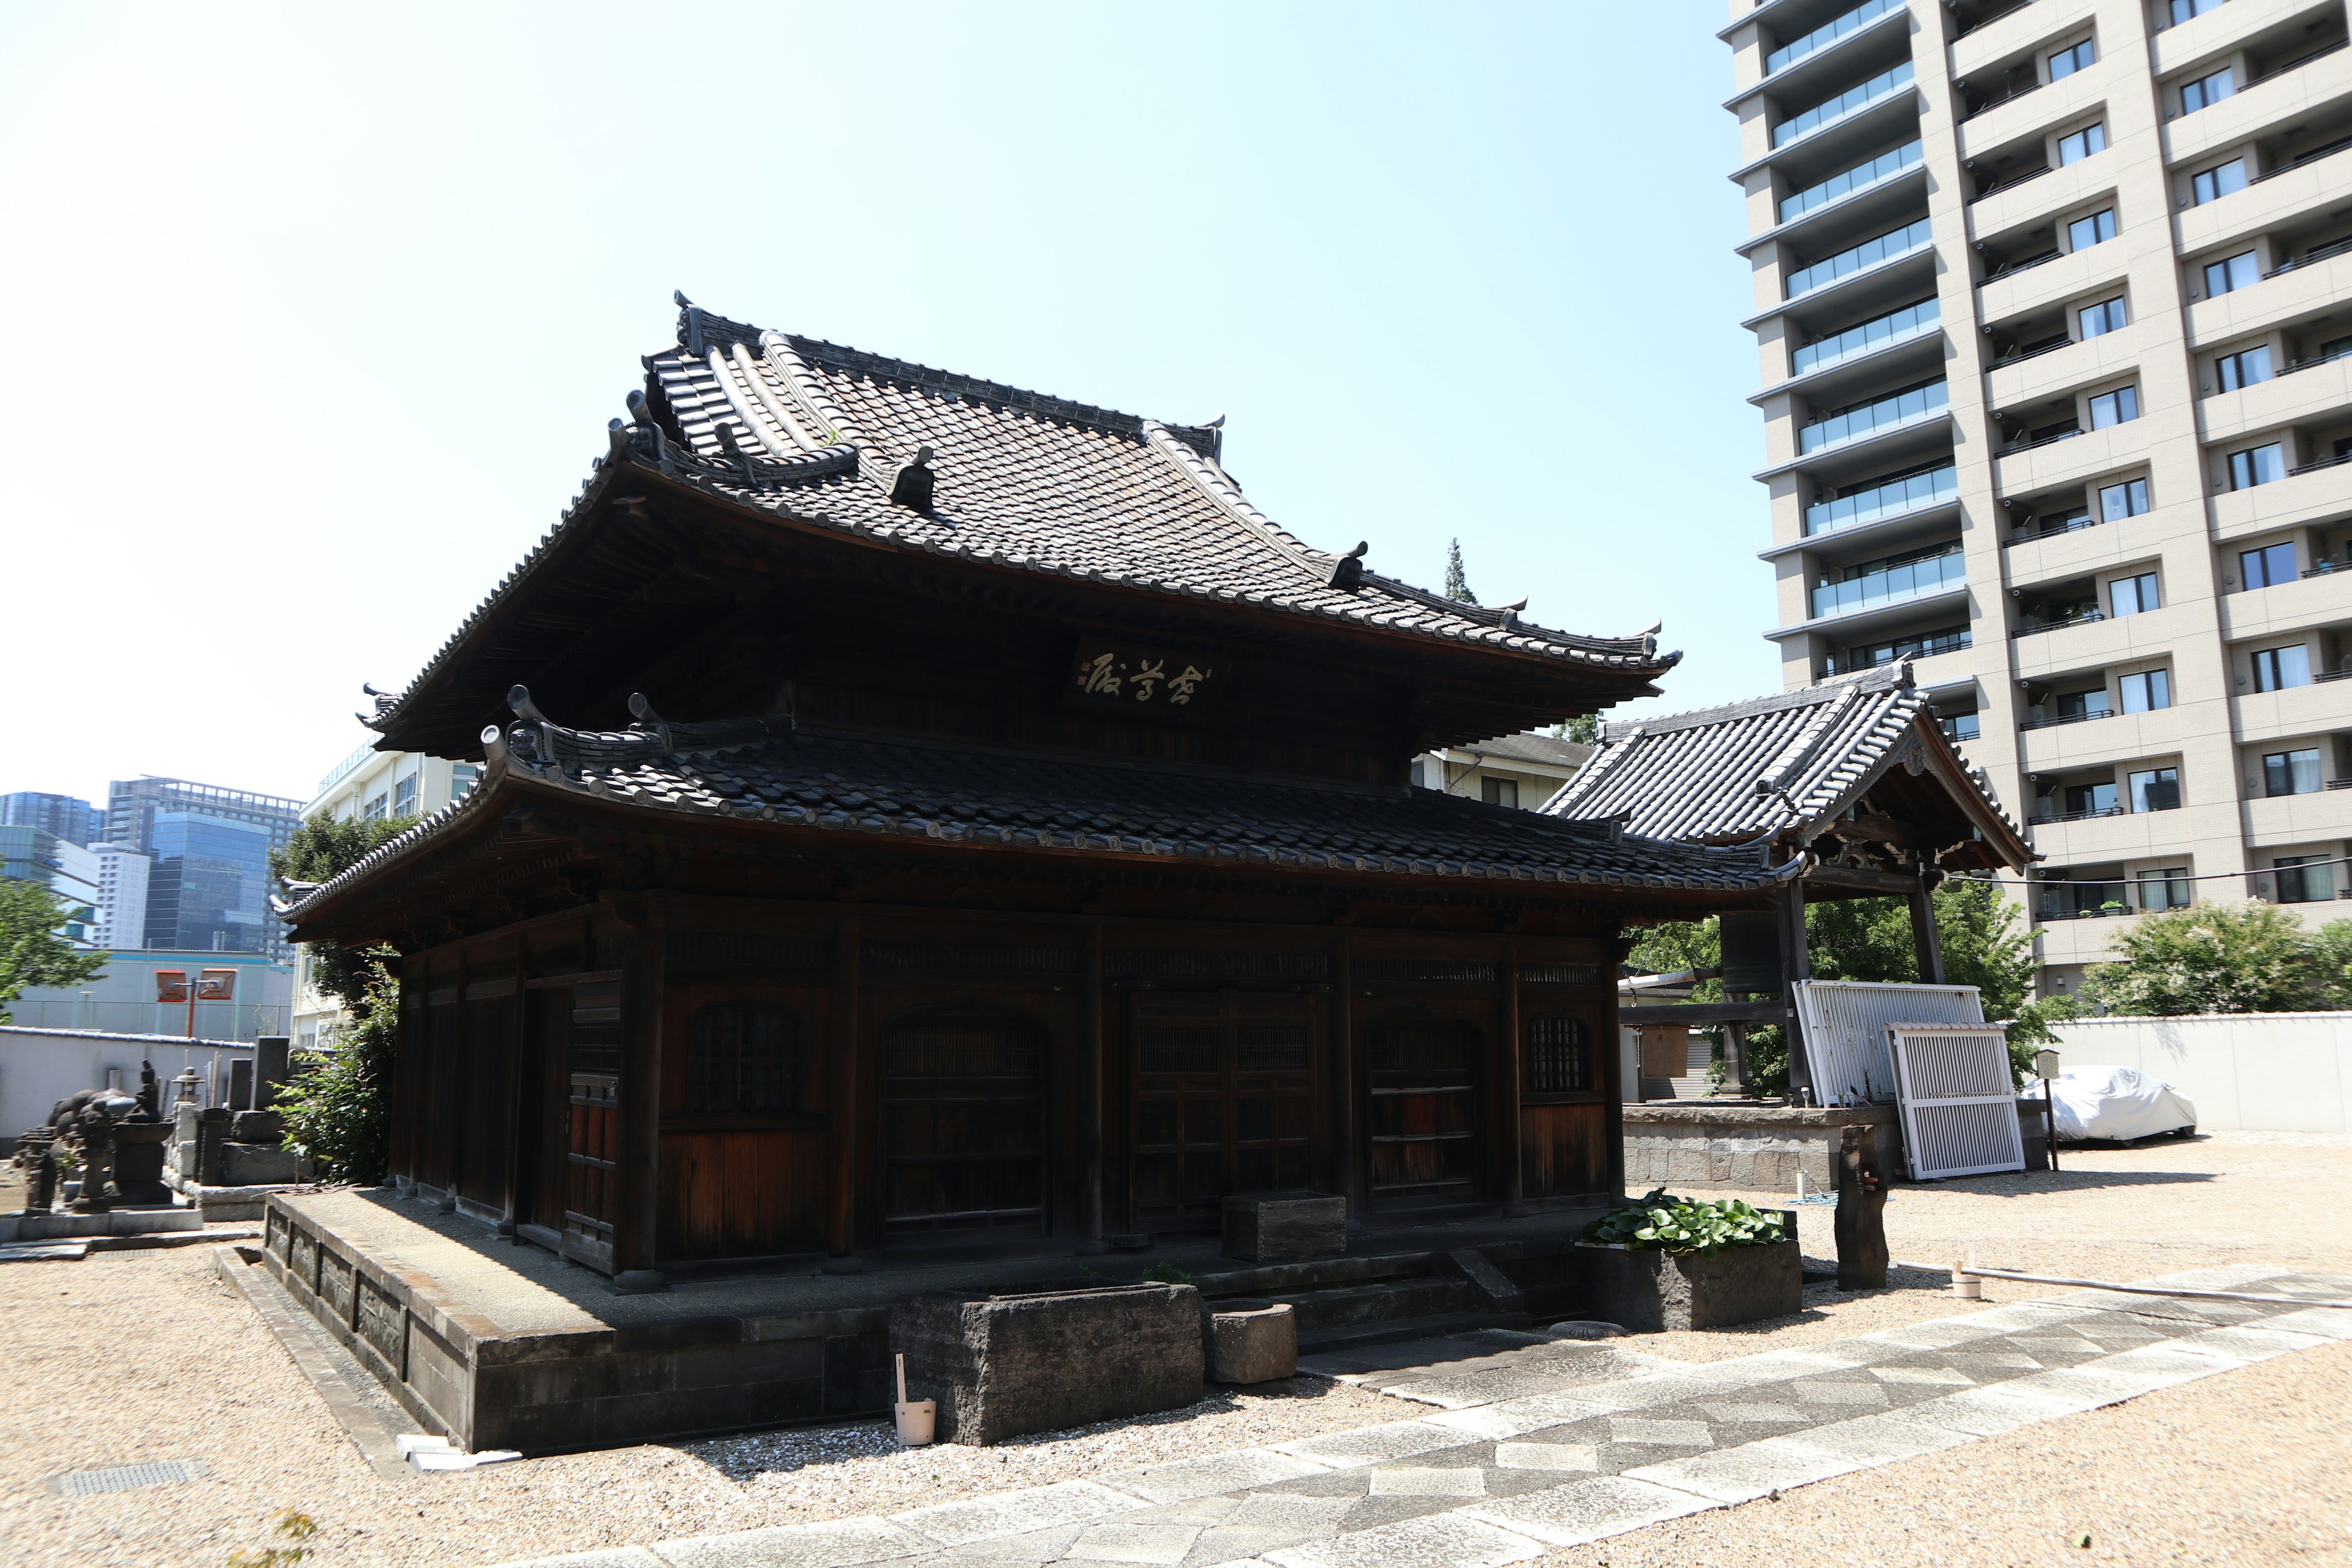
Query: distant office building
<point x="1523" y="771"/>
<point x="122" y="896"/>
<point x="2054" y="307"/>
<point x="121" y="999"/>
<point x="208" y="848"/>
<point x="69" y="870"/>
<point x="72" y="819"/>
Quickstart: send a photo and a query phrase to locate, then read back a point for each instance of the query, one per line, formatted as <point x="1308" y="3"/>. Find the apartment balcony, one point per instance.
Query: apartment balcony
<point x="2029" y="115"/>
<point x="2314" y="495"/>
<point x="2261" y="109"/>
<point x="2318" y="709"/>
<point x="1834" y="368"/>
<point x="2121" y="836"/>
<point x="2042" y="377"/>
<point x="2035" y="203"/>
<point x="1871" y="438"/>
<point x="1810" y="64"/>
<point x="2279" y="821"/>
<point x="2069" y="460"/>
<point x="1911" y="582"/>
<point x="2059" y="281"/>
<point x="2062" y="746"/>
<point x="2081" y="941"/>
<point x="2277" y="197"/>
<point x="2296" y="396"/>
<point x="1884" y="272"/>
<point x="2014" y="32"/>
<point x="2233" y="25"/>
<point x="1890" y="189"/>
<point x="2095" y="547"/>
<point x="1888" y="605"/>
<point x="2301" y="291"/>
<point x="2096" y="644"/>
<point x="1882" y="514"/>
<point x="2324" y="599"/>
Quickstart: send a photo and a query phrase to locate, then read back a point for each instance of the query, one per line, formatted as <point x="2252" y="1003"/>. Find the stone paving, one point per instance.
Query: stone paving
<point x="1562" y="1444"/>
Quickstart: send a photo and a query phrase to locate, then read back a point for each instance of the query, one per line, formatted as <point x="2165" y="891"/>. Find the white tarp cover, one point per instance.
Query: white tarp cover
<point x="2114" y="1103"/>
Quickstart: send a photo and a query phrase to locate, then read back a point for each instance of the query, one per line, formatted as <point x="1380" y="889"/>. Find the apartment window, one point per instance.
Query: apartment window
<point x="376" y="807"/>
<point x="2186" y="10"/>
<point x="2257" y="466"/>
<point x="2335" y="348"/>
<point x="2120" y="406"/>
<point x="2145" y="691"/>
<point x="2243" y="368"/>
<point x="2277" y="669"/>
<point x="2304" y="878"/>
<point x="2082" y="145"/>
<point x="1500" y="792"/>
<point x="2232" y="272"/>
<point x="2291" y="772"/>
<point x="2207" y="90"/>
<point x="2217" y="182"/>
<point x="2091" y="799"/>
<point x="2128" y="498"/>
<point x="2164" y="890"/>
<point x="2066" y="62"/>
<point x="403" y="796"/>
<point x="2106" y="316"/>
<point x="2155" y="789"/>
<point x="2091" y="704"/>
<point x="2266" y="567"/>
<point x="2086" y="232"/>
<point x="2133" y="595"/>
<point x="461" y="779"/>
<point x="1962" y="727"/>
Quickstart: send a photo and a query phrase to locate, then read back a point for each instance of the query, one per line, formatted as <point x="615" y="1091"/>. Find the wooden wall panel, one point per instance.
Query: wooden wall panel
<point x="1565" y="1149"/>
<point x="743" y="1194"/>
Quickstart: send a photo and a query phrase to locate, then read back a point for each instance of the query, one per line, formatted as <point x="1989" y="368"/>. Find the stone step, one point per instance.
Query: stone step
<point x="1427" y="1295"/>
<point x="1350" y="1336"/>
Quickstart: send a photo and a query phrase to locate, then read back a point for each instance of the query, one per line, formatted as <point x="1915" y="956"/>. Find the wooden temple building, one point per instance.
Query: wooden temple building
<point x="920" y="815"/>
<point x="1851" y="785"/>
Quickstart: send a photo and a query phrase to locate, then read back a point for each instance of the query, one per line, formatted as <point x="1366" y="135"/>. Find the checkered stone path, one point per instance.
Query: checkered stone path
<point x="1550" y="1462"/>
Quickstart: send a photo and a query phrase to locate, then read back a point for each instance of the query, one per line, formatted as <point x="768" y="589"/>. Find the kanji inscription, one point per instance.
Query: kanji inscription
<point x="1150" y="677"/>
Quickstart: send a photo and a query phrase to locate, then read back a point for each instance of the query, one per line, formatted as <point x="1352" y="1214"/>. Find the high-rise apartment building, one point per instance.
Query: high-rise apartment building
<point x="29" y="854"/>
<point x="122" y="896"/>
<point x="2055" y="305"/>
<point x="208" y="848"/>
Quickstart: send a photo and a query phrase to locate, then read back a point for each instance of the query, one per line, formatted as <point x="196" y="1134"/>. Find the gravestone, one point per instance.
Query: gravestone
<point x="1860" y="1222"/>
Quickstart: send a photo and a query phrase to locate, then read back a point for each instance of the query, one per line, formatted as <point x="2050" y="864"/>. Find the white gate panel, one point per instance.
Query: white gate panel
<point x="1958" y="1100"/>
<point x="1845" y="1031"/>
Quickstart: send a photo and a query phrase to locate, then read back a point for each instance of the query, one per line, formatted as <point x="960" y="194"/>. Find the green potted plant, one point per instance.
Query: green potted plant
<point x="1662" y="1262"/>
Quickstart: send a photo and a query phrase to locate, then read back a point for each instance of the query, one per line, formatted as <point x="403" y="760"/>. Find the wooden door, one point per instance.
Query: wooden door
<point x="1423" y="1076"/>
<point x="1563" y="1094"/>
<point x="963" y="1125"/>
<point x="591" y="1193"/>
<point x="1224" y="1097"/>
<point x="745" y="1166"/>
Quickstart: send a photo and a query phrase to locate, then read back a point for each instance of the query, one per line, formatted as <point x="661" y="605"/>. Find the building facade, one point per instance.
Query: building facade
<point x="1522" y="769"/>
<point x="122" y="896"/>
<point x="2053" y="301"/>
<point x="72" y="818"/>
<point x="121" y="998"/>
<point x="208" y="848"/>
<point x="36" y="855"/>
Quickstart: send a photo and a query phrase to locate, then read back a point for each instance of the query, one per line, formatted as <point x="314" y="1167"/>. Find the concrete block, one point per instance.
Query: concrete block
<point x="1650" y="1292"/>
<point x="1253" y="1344"/>
<point x="1290" y="1229"/>
<point x="256" y="1127"/>
<point x="1002" y="1365"/>
<point x="1372" y="1445"/>
<point x="1668" y="1434"/>
<point x="1588" y="1510"/>
<point x="258" y="1164"/>
<point x="1425" y="1480"/>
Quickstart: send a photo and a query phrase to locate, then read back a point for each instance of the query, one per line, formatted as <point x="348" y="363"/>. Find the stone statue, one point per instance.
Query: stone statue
<point x="150" y="1095"/>
<point x="1861" y="1212"/>
<point x="41" y="1161"/>
<point x="85" y="1118"/>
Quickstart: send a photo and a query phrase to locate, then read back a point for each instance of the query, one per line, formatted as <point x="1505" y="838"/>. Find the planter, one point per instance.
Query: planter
<point x="1651" y="1292"/>
<point x="998" y="1366"/>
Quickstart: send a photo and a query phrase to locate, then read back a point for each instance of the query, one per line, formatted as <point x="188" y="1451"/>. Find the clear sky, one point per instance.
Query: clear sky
<point x="313" y="315"/>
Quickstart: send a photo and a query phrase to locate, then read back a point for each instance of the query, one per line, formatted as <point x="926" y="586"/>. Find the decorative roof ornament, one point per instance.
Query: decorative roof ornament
<point x="912" y="486"/>
<point x="1348" y="572"/>
<point x="651" y="722"/>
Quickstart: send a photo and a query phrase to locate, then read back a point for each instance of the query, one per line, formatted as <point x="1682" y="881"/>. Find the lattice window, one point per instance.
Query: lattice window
<point x="743" y="1058"/>
<point x="1559" y="1055"/>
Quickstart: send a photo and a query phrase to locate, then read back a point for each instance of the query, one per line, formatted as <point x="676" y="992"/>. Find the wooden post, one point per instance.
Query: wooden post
<point x="1347" y="1092"/>
<point x="637" y="1217"/>
<point x="841" y="1238"/>
<point x="1924" y="937"/>
<point x="517" y="1051"/>
<point x="1796" y="963"/>
<point x="1090" y="1034"/>
<point x="1515" y="1195"/>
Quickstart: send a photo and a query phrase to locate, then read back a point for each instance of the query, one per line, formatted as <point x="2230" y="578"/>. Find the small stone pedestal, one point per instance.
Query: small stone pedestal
<point x="999" y="1366"/>
<point x="1252" y="1341"/>
<point x="1293" y="1227"/>
<point x="1652" y="1291"/>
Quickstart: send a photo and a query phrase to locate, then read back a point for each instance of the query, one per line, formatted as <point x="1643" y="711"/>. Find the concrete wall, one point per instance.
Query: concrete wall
<point x="121" y="999"/>
<point x="41" y="1067"/>
<point x="2267" y="1072"/>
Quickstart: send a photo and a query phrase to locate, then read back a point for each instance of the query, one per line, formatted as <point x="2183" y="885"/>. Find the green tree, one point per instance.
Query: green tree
<point x="339" y="1111"/>
<point x="2251" y="957"/>
<point x="1457" y="586"/>
<point x="32" y="953"/>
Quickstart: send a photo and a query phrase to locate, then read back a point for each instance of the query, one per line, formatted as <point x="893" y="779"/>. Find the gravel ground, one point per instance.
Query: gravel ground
<point x="2256" y="1462"/>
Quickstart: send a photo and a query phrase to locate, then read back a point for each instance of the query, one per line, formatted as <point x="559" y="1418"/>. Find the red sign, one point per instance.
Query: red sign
<point x="171" y="985"/>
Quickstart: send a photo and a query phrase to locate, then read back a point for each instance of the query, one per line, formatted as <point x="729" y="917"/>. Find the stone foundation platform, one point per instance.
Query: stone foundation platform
<point x="1748" y="1148"/>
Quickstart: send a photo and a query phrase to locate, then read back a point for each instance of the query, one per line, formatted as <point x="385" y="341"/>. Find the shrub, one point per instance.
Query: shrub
<point x="1659" y="1219"/>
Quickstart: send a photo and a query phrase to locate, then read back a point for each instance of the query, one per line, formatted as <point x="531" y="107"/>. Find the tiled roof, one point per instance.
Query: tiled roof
<point x="1550" y="750"/>
<point x="798" y="427"/>
<point x="759" y="771"/>
<point x="1741" y="771"/>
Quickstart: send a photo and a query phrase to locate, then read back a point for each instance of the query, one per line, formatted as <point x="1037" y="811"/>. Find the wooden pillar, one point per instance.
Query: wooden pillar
<point x="1345" y="1086"/>
<point x="1796" y="963"/>
<point x="1924" y="937"/>
<point x="1609" y="1044"/>
<point x="637" y="1220"/>
<point x="520" y="1101"/>
<point x="841" y="1228"/>
<point x="1513" y="1128"/>
<point x="1090" y="1034"/>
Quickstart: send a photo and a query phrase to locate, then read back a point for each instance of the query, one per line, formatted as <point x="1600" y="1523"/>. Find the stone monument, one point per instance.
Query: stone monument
<point x="1860" y="1222"/>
